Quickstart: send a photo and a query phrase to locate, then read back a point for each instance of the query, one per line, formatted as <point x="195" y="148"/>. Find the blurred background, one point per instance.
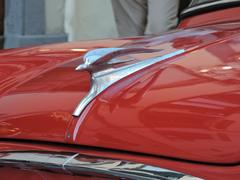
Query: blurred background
<point x="33" y="22"/>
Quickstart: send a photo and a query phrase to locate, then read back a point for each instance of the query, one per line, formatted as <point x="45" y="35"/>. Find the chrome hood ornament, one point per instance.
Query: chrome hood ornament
<point x="109" y="65"/>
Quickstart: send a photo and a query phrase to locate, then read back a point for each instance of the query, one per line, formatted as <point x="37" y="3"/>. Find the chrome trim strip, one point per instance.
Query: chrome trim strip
<point x="207" y="5"/>
<point x="108" y="75"/>
<point x="77" y="164"/>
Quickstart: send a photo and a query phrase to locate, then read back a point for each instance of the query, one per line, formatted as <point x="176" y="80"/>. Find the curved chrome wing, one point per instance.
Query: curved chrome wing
<point x="100" y="62"/>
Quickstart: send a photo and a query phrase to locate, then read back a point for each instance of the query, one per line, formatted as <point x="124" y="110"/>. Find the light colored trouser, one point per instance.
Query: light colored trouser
<point x="139" y="17"/>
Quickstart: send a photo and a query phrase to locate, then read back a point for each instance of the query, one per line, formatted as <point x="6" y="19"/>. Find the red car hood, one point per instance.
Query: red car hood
<point x="187" y="107"/>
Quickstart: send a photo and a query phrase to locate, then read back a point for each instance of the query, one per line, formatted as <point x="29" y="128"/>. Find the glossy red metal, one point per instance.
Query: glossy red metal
<point x="39" y="89"/>
<point x="186" y="107"/>
<point x="214" y="17"/>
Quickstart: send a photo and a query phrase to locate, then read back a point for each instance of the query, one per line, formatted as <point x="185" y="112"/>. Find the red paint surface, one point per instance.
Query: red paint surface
<point x="186" y="107"/>
<point x="39" y="89"/>
<point x="214" y="17"/>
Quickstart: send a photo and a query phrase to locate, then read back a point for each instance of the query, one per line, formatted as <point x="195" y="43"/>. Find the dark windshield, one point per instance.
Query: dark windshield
<point x="203" y="6"/>
<point x="199" y="2"/>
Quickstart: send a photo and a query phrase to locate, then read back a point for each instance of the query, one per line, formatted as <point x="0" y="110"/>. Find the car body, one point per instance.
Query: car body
<point x="157" y="107"/>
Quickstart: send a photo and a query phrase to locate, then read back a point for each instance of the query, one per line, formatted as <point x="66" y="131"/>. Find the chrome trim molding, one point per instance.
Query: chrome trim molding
<point x="100" y="63"/>
<point x="207" y="5"/>
<point x="77" y="164"/>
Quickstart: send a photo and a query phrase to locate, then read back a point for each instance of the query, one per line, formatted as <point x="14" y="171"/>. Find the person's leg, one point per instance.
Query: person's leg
<point x="162" y="15"/>
<point x="130" y="16"/>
